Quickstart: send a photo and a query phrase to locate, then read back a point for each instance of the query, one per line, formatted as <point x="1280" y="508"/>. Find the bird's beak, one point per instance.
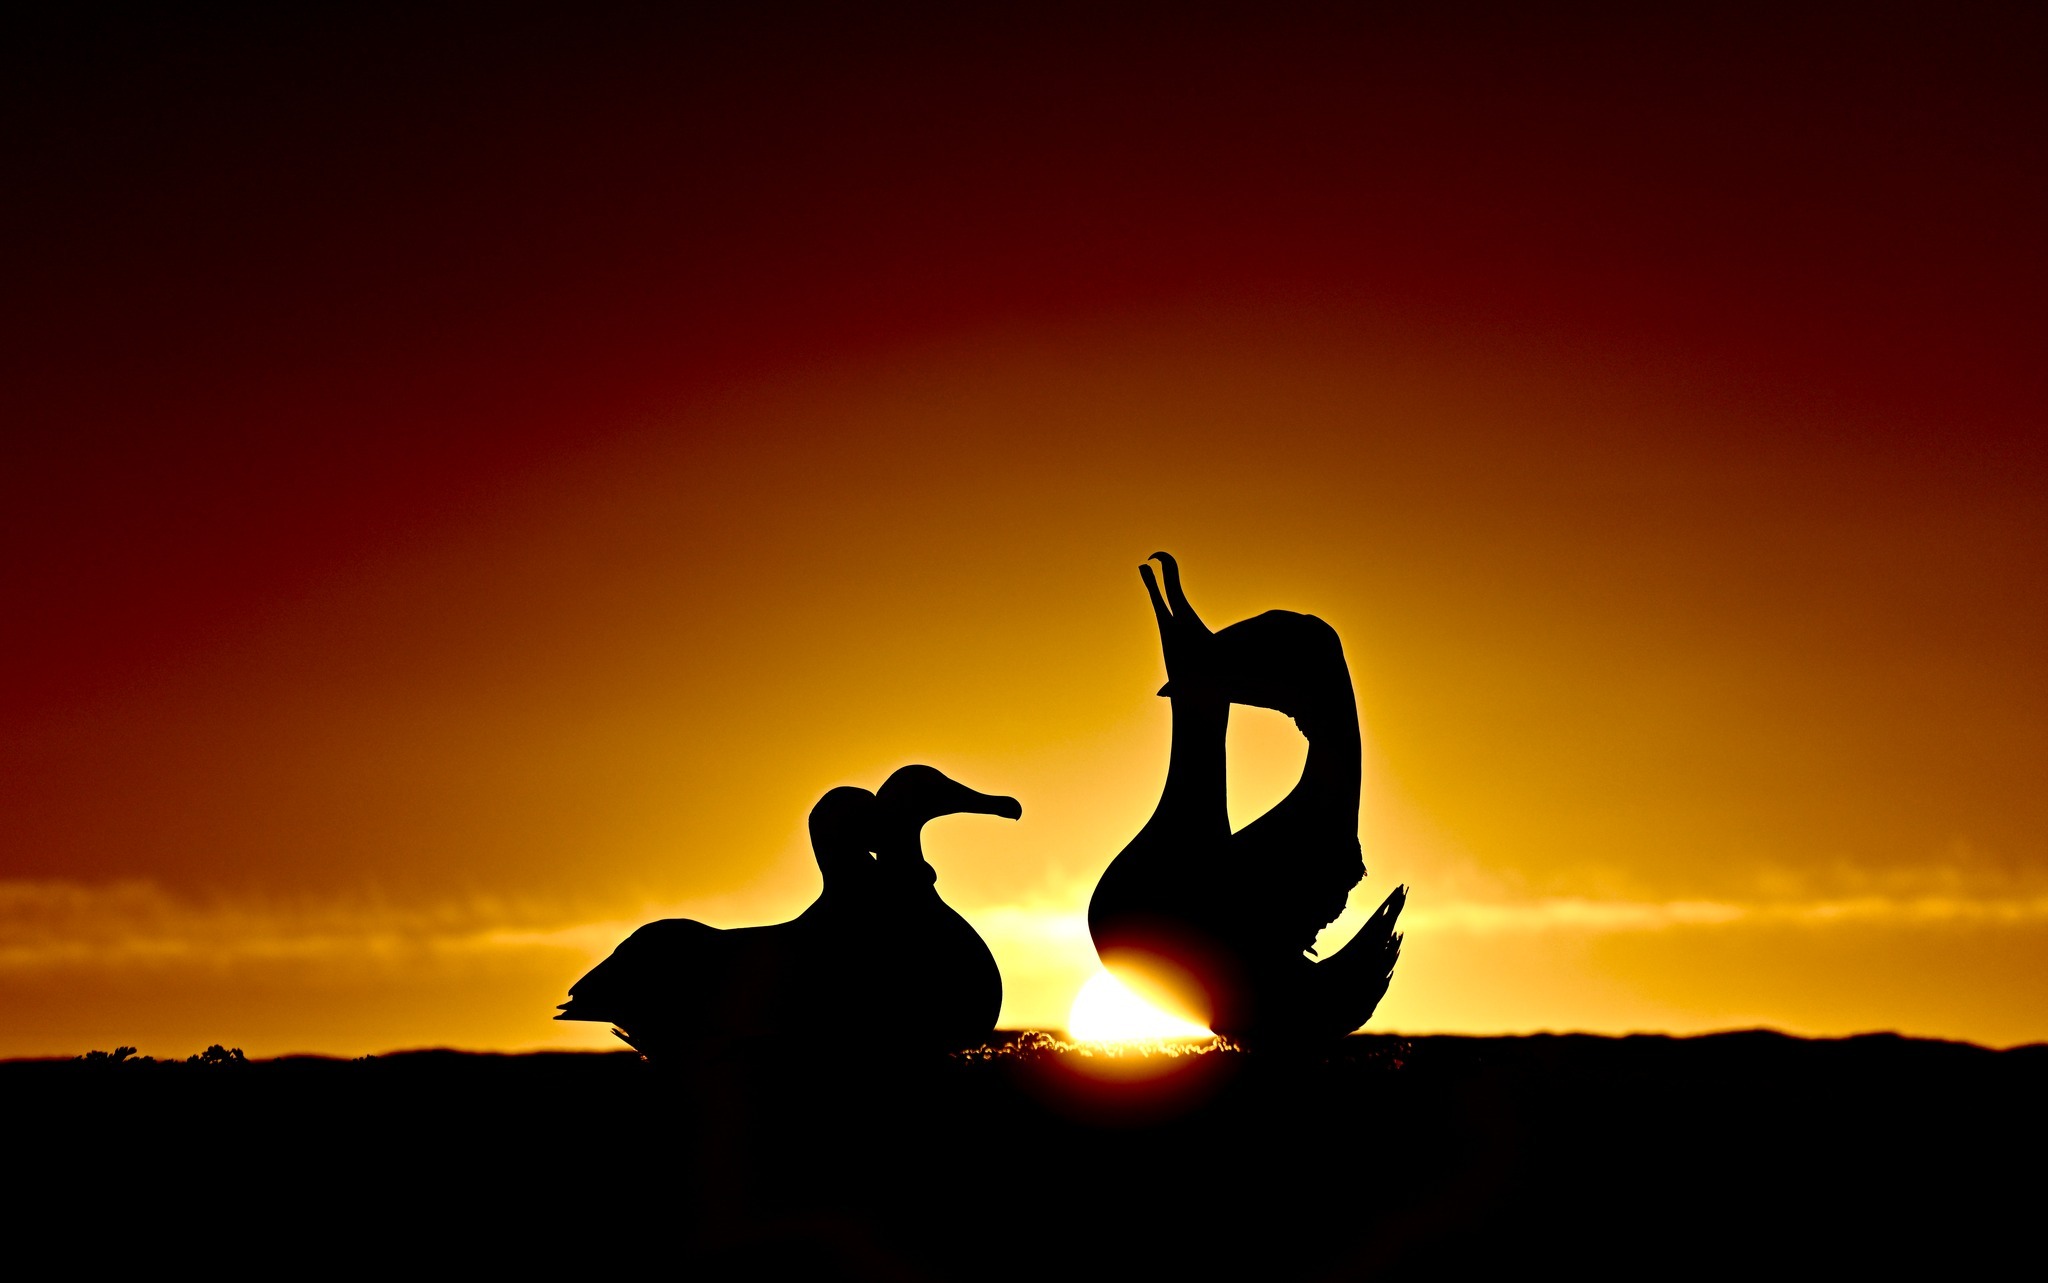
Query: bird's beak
<point x="973" y="803"/>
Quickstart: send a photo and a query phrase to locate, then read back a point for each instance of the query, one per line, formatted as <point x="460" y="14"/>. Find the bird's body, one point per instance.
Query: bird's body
<point x="878" y="954"/>
<point x="938" y="980"/>
<point x="1219" y="924"/>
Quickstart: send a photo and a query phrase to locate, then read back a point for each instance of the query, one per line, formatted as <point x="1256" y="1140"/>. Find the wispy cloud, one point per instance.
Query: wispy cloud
<point x="50" y="925"/>
<point x="54" y="925"/>
<point x="1574" y="914"/>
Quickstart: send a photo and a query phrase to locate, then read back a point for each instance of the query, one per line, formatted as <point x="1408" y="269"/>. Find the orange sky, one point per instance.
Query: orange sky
<point x="479" y="487"/>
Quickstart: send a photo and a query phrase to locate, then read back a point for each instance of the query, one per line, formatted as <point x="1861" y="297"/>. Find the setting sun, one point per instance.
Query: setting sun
<point x="1106" y="1011"/>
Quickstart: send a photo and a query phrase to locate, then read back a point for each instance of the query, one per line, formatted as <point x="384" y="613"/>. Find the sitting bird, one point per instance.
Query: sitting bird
<point x="1221" y="925"/>
<point x="877" y="952"/>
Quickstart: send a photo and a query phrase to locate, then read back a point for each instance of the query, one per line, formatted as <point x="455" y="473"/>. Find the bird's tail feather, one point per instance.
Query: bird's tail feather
<point x="1361" y="971"/>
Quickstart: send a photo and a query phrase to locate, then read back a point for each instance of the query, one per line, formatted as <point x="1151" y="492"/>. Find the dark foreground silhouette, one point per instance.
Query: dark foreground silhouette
<point x="1220" y="924"/>
<point x="1743" y="1156"/>
<point x="878" y="953"/>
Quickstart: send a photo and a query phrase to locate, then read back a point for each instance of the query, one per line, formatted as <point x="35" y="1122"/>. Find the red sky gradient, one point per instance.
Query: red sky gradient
<point x="477" y="477"/>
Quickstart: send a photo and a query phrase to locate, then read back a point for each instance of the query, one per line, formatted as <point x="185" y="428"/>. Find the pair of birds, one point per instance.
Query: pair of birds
<point x="1215" y="924"/>
<point x="878" y="952"/>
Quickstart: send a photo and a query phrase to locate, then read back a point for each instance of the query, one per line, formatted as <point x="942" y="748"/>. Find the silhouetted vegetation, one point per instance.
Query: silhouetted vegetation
<point x="1601" y="1157"/>
<point x="214" y="1056"/>
<point x="1034" y="1044"/>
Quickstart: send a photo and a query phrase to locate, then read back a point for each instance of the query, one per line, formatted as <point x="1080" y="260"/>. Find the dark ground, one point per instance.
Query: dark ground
<point x="1749" y="1153"/>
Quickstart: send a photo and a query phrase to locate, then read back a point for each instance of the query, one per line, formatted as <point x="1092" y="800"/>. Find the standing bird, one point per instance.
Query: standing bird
<point x="1221" y="924"/>
<point x="878" y="951"/>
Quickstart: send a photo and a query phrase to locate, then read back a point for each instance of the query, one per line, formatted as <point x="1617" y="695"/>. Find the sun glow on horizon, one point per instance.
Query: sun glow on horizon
<point x="1106" y="1011"/>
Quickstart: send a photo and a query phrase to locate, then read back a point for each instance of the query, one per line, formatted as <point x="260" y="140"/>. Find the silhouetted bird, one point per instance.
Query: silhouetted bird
<point x="878" y="953"/>
<point x="1221" y="924"/>
<point x="939" y="982"/>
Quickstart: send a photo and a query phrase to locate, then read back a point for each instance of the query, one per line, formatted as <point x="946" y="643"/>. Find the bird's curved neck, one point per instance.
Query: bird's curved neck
<point x="899" y="850"/>
<point x="843" y="867"/>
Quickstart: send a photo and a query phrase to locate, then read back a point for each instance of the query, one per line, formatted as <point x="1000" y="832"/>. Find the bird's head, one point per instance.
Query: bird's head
<point x="916" y="794"/>
<point x="844" y="820"/>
